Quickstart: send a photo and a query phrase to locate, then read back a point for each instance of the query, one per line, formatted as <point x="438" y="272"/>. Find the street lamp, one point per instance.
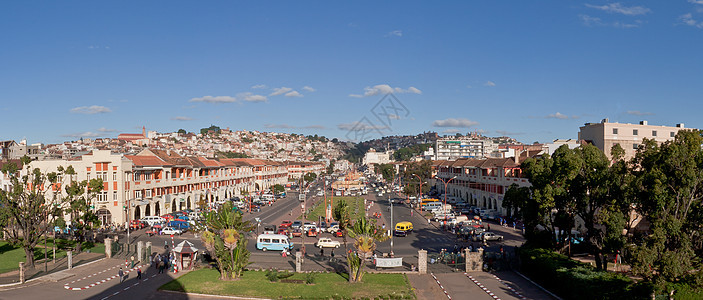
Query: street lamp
<point x="419" y="189"/>
<point x="446" y="183"/>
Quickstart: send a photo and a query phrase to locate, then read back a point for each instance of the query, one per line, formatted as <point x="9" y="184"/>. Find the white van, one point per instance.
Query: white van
<point x="276" y="242"/>
<point x="267" y="197"/>
<point x="432" y="206"/>
<point x="151" y="220"/>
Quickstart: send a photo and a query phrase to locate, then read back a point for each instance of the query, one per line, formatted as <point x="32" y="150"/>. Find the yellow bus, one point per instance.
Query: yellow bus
<point x="427" y="201"/>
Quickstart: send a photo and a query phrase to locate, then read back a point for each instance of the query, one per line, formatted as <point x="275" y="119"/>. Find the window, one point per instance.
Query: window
<point x="615" y="131"/>
<point x="654" y="133"/>
<point x="102" y="175"/>
<point x="634" y="132"/>
<point x="102" y="197"/>
<point x="147" y="176"/>
<point x="114" y="196"/>
<point x="635" y="146"/>
<point x="137" y="194"/>
<point x="148" y="193"/>
<point x="672" y="134"/>
<point x="114" y="176"/>
<point x="87" y="176"/>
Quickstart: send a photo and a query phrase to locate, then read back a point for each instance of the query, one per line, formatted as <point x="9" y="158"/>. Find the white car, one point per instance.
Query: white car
<point x="171" y="230"/>
<point x="334" y="227"/>
<point x="327" y="243"/>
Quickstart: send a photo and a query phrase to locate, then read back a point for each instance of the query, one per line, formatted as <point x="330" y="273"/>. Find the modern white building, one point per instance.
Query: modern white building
<point x="453" y="148"/>
<point x="372" y="157"/>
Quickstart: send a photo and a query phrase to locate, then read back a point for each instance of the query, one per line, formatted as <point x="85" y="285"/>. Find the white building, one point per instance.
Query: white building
<point x="372" y="157"/>
<point x="453" y="148"/>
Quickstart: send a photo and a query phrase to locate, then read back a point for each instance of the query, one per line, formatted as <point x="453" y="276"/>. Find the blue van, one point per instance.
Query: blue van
<point x="276" y="242"/>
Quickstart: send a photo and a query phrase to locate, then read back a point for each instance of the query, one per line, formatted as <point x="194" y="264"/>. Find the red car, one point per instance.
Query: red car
<point x="339" y="233"/>
<point x="136" y="224"/>
<point x="285" y="224"/>
<point x="312" y="232"/>
<point x="282" y="230"/>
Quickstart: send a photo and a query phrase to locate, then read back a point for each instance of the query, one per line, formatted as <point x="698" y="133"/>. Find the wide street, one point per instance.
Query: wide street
<point x="98" y="280"/>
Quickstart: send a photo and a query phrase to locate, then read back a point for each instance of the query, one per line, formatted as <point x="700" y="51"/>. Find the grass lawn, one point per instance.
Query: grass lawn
<point x="327" y="286"/>
<point x="11" y="256"/>
<point x="356" y="208"/>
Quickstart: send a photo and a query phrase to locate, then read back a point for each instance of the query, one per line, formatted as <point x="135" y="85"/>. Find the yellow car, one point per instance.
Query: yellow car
<point x="403" y="228"/>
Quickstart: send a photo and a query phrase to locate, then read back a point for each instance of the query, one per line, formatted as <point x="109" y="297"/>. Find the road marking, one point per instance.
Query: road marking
<point x="67" y="285"/>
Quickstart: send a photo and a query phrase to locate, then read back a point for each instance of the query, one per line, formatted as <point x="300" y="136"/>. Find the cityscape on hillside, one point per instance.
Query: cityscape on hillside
<point x="325" y="150"/>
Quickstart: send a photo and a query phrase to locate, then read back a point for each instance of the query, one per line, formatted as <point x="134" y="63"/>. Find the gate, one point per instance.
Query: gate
<point x="446" y="262"/>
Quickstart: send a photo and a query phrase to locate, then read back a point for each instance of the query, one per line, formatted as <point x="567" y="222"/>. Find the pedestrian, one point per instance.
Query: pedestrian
<point x="165" y="244"/>
<point x="283" y="253"/>
<point x="322" y="251"/>
<point x="121" y="274"/>
<point x="161" y="267"/>
<point x="139" y="273"/>
<point x="428" y="221"/>
<point x="411" y="212"/>
<point x="489" y="227"/>
<point x="332" y="253"/>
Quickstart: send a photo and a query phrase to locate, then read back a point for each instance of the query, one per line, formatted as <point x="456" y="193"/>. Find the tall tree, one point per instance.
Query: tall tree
<point x="365" y="234"/>
<point x="668" y="191"/>
<point x="26" y="209"/>
<point x="79" y="205"/>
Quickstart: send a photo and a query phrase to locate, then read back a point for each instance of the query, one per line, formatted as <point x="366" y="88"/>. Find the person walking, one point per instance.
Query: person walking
<point x="121" y="274"/>
<point x="139" y="273"/>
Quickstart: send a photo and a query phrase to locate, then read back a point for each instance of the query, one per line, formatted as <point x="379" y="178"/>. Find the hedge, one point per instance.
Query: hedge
<point x="572" y="279"/>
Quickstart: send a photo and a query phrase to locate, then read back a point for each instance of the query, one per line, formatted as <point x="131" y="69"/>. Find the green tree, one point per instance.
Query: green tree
<point x="365" y="234"/>
<point x="342" y="215"/>
<point x="668" y="191"/>
<point x="330" y="167"/>
<point x="222" y="232"/>
<point x="79" y="205"/>
<point x="309" y="177"/>
<point x="386" y="170"/>
<point x="25" y="209"/>
<point x="182" y="131"/>
<point x="277" y="189"/>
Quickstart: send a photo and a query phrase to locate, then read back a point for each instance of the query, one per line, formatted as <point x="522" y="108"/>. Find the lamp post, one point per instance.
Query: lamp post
<point x="419" y="190"/>
<point x="446" y="183"/>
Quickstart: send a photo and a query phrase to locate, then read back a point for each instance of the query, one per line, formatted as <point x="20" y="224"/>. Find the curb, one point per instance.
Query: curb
<point x="539" y="286"/>
<point x="440" y="286"/>
<point x="480" y="285"/>
<point x="34" y="279"/>
<point x="212" y="296"/>
<point x="509" y="287"/>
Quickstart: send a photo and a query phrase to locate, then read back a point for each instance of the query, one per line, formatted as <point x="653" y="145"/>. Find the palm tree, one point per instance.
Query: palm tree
<point x="222" y="235"/>
<point x="365" y="235"/>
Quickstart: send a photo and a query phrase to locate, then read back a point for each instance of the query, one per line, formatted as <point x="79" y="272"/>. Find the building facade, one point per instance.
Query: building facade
<point x="453" y="149"/>
<point x="480" y="182"/>
<point x="156" y="182"/>
<point x="606" y="134"/>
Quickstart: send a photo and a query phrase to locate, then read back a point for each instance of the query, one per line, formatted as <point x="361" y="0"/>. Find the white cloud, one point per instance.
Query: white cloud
<point x="489" y="83"/>
<point x="90" y="110"/>
<point x="382" y="89"/>
<point x="639" y="113"/>
<point x="394" y="117"/>
<point x="590" y="21"/>
<point x="103" y="129"/>
<point x="181" y="118"/>
<point x="308" y="89"/>
<point x="462" y="123"/>
<point x="595" y="21"/>
<point x="688" y="20"/>
<point x="251" y="97"/>
<point x="360" y="126"/>
<point x="696" y="1"/>
<point x="314" y="127"/>
<point x="620" y="9"/>
<point x="397" y="33"/>
<point x="560" y="116"/>
<point x="258" y="86"/>
<point x="82" y="134"/>
<point x="280" y="91"/>
<point x="214" y="99"/>
<point x="294" y="94"/>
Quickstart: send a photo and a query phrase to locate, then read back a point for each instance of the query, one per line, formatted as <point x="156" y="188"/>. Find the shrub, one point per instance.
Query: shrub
<point x="576" y="280"/>
<point x="310" y="277"/>
<point x="272" y="275"/>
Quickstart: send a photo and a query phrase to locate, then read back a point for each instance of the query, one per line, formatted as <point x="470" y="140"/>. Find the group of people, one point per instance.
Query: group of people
<point x="160" y="262"/>
<point x="121" y="273"/>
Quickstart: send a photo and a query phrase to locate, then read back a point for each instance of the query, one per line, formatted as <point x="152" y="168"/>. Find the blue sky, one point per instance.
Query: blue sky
<point x="533" y="70"/>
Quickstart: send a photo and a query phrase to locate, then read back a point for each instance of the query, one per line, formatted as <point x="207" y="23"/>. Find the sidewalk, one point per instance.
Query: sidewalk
<point x="13" y="277"/>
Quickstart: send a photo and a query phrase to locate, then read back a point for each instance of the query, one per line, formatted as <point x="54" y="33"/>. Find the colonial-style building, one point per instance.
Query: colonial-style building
<point x="480" y="182"/>
<point x="155" y="182"/>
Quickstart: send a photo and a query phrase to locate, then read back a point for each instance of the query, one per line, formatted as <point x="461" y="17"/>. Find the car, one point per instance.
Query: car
<point x="137" y="224"/>
<point x="171" y="231"/>
<point x="296" y="224"/>
<point x="339" y="233"/>
<point x="296" y="233"/>
<point x="334" y="227"/>
<point x="312" y="232"/>
<point x="152" y="232"/>
<point x="269" y="229"/>
<point x="285" y="224"/>
<point x="307" y="226"/>
<point x="488" y="236"/>
<point x="326" y="243"/>
<point x="282" y="230"/>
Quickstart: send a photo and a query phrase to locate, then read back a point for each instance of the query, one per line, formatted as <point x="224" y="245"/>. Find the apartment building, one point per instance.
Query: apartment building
<point x="373" y="157"/>
<point x="480" y="182"/>
<point x="606" y="134"/>
<point x="453" y="148"/>
<point x="297" y="169"/>
<point x="155" y="182"/>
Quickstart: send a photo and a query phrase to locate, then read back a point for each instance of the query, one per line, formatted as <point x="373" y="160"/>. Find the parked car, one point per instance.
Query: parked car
<point x="327" y="243"/>
<point x="296" y="224"/>
<point x="488" y="236"/>
<point x="269" y="229"/>
<point x="171" y="230"/>
<point x="296" y="233"/>
<point x="285" y="224"/>
<point x="334" y="227"/>
<point x="312" y="232"/>
<point x="282" y="230"/>
<point x="137" y="224"/>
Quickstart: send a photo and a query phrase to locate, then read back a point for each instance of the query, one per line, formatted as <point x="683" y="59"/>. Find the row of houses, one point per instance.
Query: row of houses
<point x="155" y="182"/>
